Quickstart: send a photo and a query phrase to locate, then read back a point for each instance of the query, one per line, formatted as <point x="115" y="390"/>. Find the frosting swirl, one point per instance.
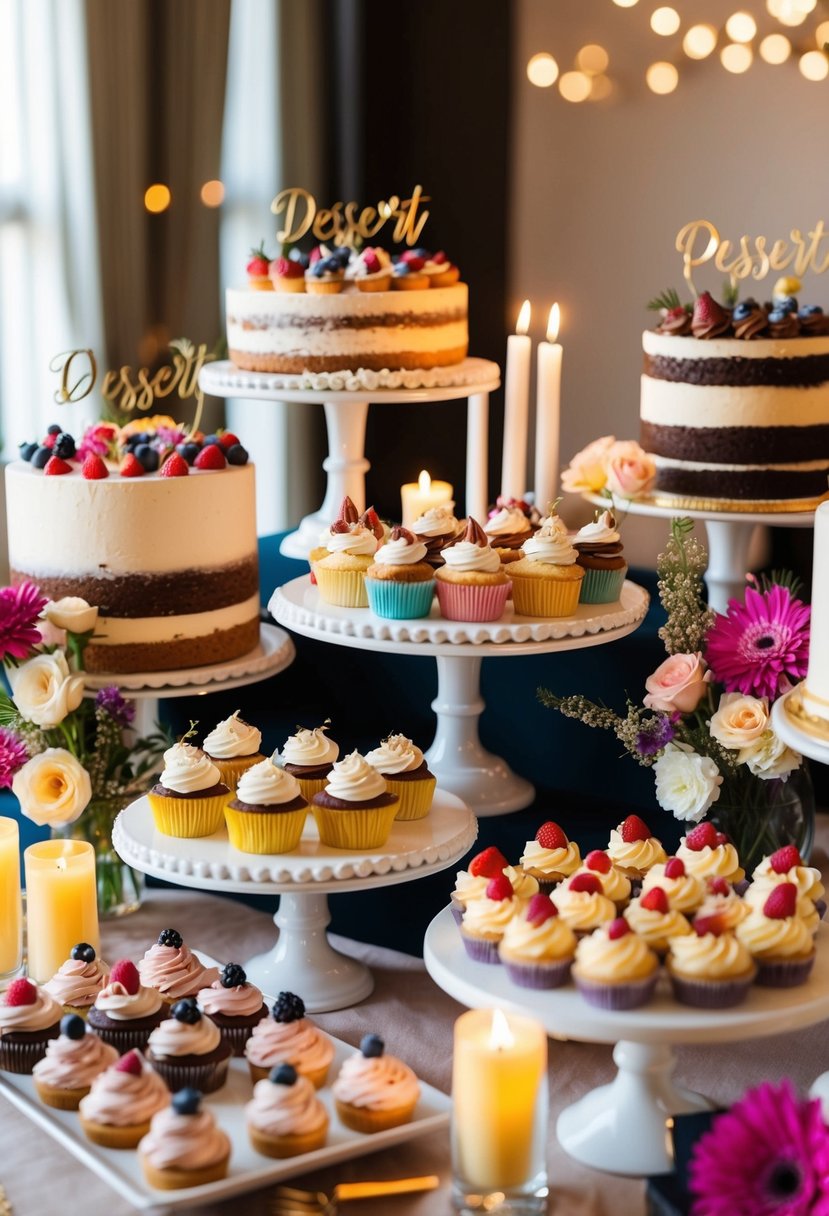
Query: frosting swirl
<point x="174" y="1038"/>
<point x="551" y="544"/>
<point x="615" y="884"/>
<point x="473" y="886"/>
<point x="187" y="770"/>
<point x="309" y="747"/>
<point x="599" y="957"/>
<point x="241" y="1001"/>
<point x="437" y="521"/>
<point x="174" y="971"/>
<point x="601" y="531"/>
<point x="264" y="784"/>
<point x="729" y="908"/>
<point x="78" y="983"/>
<point x="186" y="1142"/>
<point x="396" y="754"/>
<point x="376" y="1083"/>
<point x="552" y="939"/>
<point x="117" y="1003"/>
<point x="805" y="878"/>
<point x="564" y="860"/>
<point x="401" y="549"/>
<point x="785" y="326"/>
<point x="635" y="856"/>
<point x="300" y="1043"/>
<point x="285" y="1110"/>
<point x="720" y="861"/>
<point x="710" y="956"/>
<point x="487" y="917"/>
<point x="358" y="541"/>
<point x="120" y="1099"/>
<point x="232" y="738"/>
<point x="765" y="937"/>
<point x="354" y="780"/>
<point x="584" y="910"/>
<point x="752" y="325"/>
<point x="74" y="1063"/>
<point x="685" y="893"/>
<point x="466" y="555"/>
<point x="654" y="927"/>
<point x="677" y="321"/>
<point x="507" y="521"/>
<point x="43" y="1013"/>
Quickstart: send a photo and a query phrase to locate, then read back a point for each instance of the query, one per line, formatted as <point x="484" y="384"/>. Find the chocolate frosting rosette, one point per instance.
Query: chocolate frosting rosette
<point x="268" y="813"/>
<point x="437" y="528"/>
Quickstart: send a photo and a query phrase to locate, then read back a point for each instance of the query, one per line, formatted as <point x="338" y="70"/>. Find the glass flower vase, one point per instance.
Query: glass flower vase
<point x="120" y="888"/>
<point x="763" y="816"/>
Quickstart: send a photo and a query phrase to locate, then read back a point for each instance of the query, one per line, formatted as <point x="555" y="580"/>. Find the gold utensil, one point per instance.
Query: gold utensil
<point x="292" y="1201"/>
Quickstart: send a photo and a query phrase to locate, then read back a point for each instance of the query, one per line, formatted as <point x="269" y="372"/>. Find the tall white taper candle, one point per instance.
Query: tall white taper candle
<point x="548" y="415"/>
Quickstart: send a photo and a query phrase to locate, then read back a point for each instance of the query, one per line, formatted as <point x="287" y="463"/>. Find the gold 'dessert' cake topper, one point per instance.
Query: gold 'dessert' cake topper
<point x="344" y="223"/>
<point x="700" y="242"/>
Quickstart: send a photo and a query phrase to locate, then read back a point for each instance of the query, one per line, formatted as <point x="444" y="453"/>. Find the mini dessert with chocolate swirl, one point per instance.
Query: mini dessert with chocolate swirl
<point x="601" y="557"/>
<point x="233" y="746"/>
<point x="235" y="1005"/>
<point x="471" y="585"/>
<point x="309" y="755"/>
<point x="189" y="798"/>
<point x="437" y="528"/>
<point x="509" y="525"/>
<point x="356" y="810"/>
<point x="401" y="763"/>
<point x="268" y="813"/>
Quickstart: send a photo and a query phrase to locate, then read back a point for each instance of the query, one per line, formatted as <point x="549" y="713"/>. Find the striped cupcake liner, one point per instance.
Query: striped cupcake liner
<point x="265" y="832"/>
<point x="711" y="994"/>
<point x="480" y="950"/>
<point x="345" y="588"/>
<point x="539" y="975"/>
<point x="206" y="1077"/>
<point x="544" y="597"/>
<point x="784" y="973"/>
<point x="400" y="601"/>
<point x="19" y="1052"/>
<point x="629" y="995"/>
<point x="602" y="586"/>
<point x="472" y="602"/>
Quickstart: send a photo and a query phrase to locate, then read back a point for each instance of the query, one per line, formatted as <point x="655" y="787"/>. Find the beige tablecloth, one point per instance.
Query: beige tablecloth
<point x="414" y="1016"/>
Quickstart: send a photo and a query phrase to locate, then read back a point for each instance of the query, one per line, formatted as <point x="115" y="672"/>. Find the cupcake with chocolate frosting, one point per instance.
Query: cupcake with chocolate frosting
<point x="601" y="557"/>
<point x="187" y="1049"/>
<point x="406" y="774"/>
<point x="268" y="813"/>
<point x="235" y="1005"/>
<point x="507" y="528"/>
<point x="356" y="809"/>
<point x="189" y="798"/>
<point x="171" y="967"/>
<point x="400" y="583"/>
<point x="437" y="528"/>
<point x="184" y="1147"/>
<point x="471" y="584"/>
<point x="233" y="746"/>
<point x="547" y="580"/>
<point x="309" y="755"/>
<point x="78" y="981"/>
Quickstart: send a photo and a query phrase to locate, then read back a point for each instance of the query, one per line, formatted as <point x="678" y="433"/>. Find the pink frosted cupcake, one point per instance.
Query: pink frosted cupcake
<point x="486" y="919"/>
<point x="614" y="968"/>
<point x="550" y="857"/>
<point x="184" y="1147"/>
<point x="29" y="1018"/>
<point x="187" y="1050"/>
<point x="289" y="1037"/>
<point x="285" y="1118"/>
<point x="78" y="981"/>
<point x="685" y="892"/>
<point x="708" y="853"/>
<point x="656" y="922"/>
<point x="173" y="970"/>
<point x="125" y="1012"/>
<point x="615" y="884"/>
<point x="582" y="903"/>
<point x="234" y="1005"/>
<point x="537" y="948"/>
<point x="471" y="584"/>
<point x="779" y="940"/>
<point x="116" y="1112"/>
<point x="710" y="968"/>
<point x="71" y="1064"/>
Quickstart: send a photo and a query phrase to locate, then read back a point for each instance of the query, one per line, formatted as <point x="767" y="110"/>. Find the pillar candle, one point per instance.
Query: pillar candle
<point x="477" y="456"/>
<point x="499" y="1070"/>
<point x="10" y="904"/>
<point x="548" y="415"/>
<point x="517" y="407"/>
<point x="418" y="496"/>
<point x="61" y="903"/>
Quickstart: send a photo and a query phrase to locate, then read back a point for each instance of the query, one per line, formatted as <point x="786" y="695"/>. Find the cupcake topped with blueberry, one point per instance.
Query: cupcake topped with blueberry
<point x="172" y="969"/>
<point x="326" y="271"/>
<point x="373" y="1090"/>
<point x="285" y="1117"/>
<point x="288" y="1036"/>
<point x="72" y="1062"/>
<point x="78" y="981"/>
<point x="184" y="1147"/>
<point x="234" y="1004"/>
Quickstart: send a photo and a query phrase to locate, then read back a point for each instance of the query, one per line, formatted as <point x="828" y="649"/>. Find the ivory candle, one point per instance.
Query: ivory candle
<point x="499" y="1078"/>
<point x="548" y="415"/>
<point x="418" y="496"/>
<point x="61" y="903"/>
<point x="477" y="455"/>
<point x="10" y="904"/>
<point x="517" y="407"/>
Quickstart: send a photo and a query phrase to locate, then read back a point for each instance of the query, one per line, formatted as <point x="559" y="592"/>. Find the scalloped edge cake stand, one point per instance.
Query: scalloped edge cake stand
<point x="457" y="758"/>
<point x="621" y="1127"/>
<point x="346" y="411"/>
<point x="729" y="536"/>
<point x="786" y="725"/>
<point x="303" y="959"/>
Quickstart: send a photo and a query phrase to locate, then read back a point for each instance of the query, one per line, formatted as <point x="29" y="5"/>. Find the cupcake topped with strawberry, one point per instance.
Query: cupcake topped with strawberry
<point x="653" y="918"/>
<point x="685" y="892"/>
<point x="614" y="968"/>
<point x="708" y="853"/>
<point x="550" y="857"/>
<point x="371" y="270"/>
<point x="722" y="901"/>
<point x="486" y="917"/>
<point x="582" y="903"/>
<point x="538" y="945"/>
<point x="779" y="939"/>
<point x="633" y="848"/>
<point x="438" y="268"/>
<point x="786" y="865"/>
<point x="615" y="884"/>
<point x="287" y="272"/>
<point x="710" y="968"/>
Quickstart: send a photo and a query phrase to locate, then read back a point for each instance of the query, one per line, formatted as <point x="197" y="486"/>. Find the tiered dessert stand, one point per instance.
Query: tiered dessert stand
<point x="346" y="405"/>
<point x="621" y="1127"/>
<point x="303" y="960"/>
<point x="795" y="729"/>
<point x="461" y="764"/>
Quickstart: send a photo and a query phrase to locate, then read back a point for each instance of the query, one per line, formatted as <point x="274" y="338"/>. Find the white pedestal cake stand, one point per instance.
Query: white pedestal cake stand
<point x="303" y="960"/>
<point x="729" y="538"/>
<point x="789" y="726"/>
<point x="457" y="758"/>
<point x="346" y="411"/>
<point x="621" y="1127"/>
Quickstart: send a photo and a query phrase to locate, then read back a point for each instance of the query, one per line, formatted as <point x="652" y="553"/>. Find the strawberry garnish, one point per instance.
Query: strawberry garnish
<point x="371" y="261"/>
<point x="598" y="861"/>
<point x="488" y="864"/>
<point x="499" y="888"/>
<point x="719" y="885"/>
<point x="55" y="467"/>
<point x="782" y="902"/>
<point x="21" y="992"/>
<point x="655" y="900"/>
<point x="618" y="928"/>
<point x="348" y="511"/>
<point x="227" y="439"/>
<point x="131" y="466"/>
<point x="210" y="457"/>
<point x="257" y="267"/>
<point x="93" y="468"/>
<point x="125" y="973"/>
<point x="540" y="909"/>
<point x="785" y="859"/>
<point x="413" y="260"/>
<point x="130" y="1063"/>
<point x="439" y="257"/>
<point x="175" y="466"/>
<point x="633" y="828"/>
<point x="709" y="924"/>
<point x="587" y="883"/>
<point x="551" y="836"/>
<point x="703" y="836"/>
<point x="707" y="311"/>
<point x="674" y="868"/>
<point x="286" y="268"/>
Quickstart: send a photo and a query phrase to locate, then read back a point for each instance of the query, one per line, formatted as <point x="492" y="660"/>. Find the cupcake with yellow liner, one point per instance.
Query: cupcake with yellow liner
<point x="285" y="1118"/>
<point x="437" y="528"/>
<point x="634" y="849"/>
<point x="614" y="968"/>
<point x="78" y="981"/>
<point x="582" y="903"/>
<point x="184" y="1147"/>
<point x="348" y="515"/>
<point x="400" y="762"/>
<point x="71" y="1064"/>
<point x="722" y="901"/>
<point x="400" y="583"/>
<point x="408" y="276"/>
<point x="486" y="917"/>
<point x="268" y="813"/>
<point x="187" y="1049"/>
<point x="508" y="528"/>
<point x="375" y="1091"/>
<point x="546" y="579"/>
<point x="171" y="967"/>
<point x="116" y="1112"/>
<point x="355" y="810"/>
<point x="472" y="883"/>
<point x="710" y="968"/>
<point x="235" y="1005"/>
<point x="550" y="857"/>
<point x="341" y="574"/>
<point x="708" y="853"/>
<point x="326" y="277"/>
<point x="189" y="798"/>
<point x="471" y="584"/>
<point x="126" y="1012"/>
<point x="656" y="922"/>
<point x="779" y="940"/>
<point x="537" y="948"/>
<point x="615" y="884"/>
<point x="233" y="747"/>
<point x="601" y="557"/>
<point x="309" y="755"/>
<point x="685" y="892"/>
<point x="372" y="270"/>
<point x="289" y="1037"/>
<point x="29" y="1019"/>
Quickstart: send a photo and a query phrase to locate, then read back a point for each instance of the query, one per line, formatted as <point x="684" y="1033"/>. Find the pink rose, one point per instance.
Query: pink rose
<point x="677" y="684"/>
<point x="587" y="471"/>
<point x="630" y="469"/>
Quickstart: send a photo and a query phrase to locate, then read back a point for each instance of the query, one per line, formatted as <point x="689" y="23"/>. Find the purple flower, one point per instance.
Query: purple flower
<point x="111" y="702"/>
<point x="656" y="733"/>
<point x="13" y="755"/>
<point x="19" y="609"/>
<point x="762" y="646"/>
<point x="170" y="436"/>
<point x="767" y="1156"/>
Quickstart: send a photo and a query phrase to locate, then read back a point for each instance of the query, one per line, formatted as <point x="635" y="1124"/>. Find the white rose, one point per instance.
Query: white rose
<point x="686" y="783"/>
<point x="53" y="788"/>
<point x="769" y="757"/>
<point x="739" y="720"/>
<point x="71" y="613"/>
<point x="44" y="690"/>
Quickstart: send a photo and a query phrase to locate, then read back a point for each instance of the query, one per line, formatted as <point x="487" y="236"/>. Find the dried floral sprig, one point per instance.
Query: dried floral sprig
<point x="681" y="569"/>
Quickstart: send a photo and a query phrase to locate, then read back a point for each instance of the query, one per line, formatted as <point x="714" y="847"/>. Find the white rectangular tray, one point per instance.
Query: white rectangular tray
<point x="120" y="1168"/>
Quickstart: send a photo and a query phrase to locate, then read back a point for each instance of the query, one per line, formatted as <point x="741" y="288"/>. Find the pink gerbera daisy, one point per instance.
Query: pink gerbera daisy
<point x="19" y="609"/>
<point x="767" y="1156"/>
<point x="762" y="646"/>
<point x="13" y="755"/>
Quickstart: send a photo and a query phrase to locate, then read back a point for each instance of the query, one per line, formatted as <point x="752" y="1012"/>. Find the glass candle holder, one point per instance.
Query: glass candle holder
<point x="11" y="907"/>
<point x="61" y="903"/>
<point x="499" y="1119"/>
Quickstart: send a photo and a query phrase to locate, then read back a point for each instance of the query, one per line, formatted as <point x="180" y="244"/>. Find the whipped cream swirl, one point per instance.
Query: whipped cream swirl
<point x="267" y="785"/>
<point x="397" y="754"/>
<point x="74" y="1063"/>
<point x="601" y="531"/>
<point x="466" y="555"/>
<point x="437" y="521"/>
<point x="376" y="1082"/>
<point x="232" y="738"/>
<point x="78" y="983"/>
<point x="358" y="541"/>
<point x="551" y="544"/>
<point x="242" y="1001"/>
<point x="401" y="549"/>
<point x="506" y="522"/>
<point x="299" y="1043"/>
<point x="354" y="780"/>
<point x="309" y="747"/>
<point x="188" y="771"/>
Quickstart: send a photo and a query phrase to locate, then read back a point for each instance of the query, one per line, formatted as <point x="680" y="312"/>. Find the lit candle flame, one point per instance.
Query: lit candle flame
<point x="553" y="323"/>
<point x="500" y="1036"/>
<point x="424" y="482"/>
<point x="522" y="325"/>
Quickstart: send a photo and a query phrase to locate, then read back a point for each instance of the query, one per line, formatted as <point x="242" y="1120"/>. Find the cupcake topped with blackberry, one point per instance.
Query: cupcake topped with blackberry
<point x="406" y="773"/>
<point x="172" y="969"/>
<point x="78" y="981"/>
<point x="184" y="1147"/>
<point x="309" y="755"/>
<point x="437" y="528"/>
<point x="289" y="1037"/>
<point x="234" y="1004"/>
<point x="233" y="746"/>
<point x="373" y="1090"/>
<point x="187" y="1049"/>
<point x="601" y="556"/>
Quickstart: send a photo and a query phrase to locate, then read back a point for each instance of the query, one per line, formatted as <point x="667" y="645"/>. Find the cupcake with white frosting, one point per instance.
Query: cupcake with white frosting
<point x="189" y="797"/>
<point x="268" y="813"/>
<point x="400" y="583"/>
<point x="340" y="572"/>
<point x="437" y="528"/>
<point x="471" y="584"/>
<point x="406" y="773"/>
<point x="371" y="270"/>
<point x="547" y="578"/>
<point x="508" y="529"/>
<point x="233" y="746"/>
<point x="356" y="809"/>
<point x="309" y="755"/>
<point x="601" y="556"/>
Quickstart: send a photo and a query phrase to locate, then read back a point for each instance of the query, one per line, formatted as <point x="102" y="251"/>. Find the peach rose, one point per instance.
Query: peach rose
<point x="587" y="471"/>
<point x="739" y="720"/>
<point x="630" y="469"/>
<point x="53" y="788"/>
<point x="677" y="684"/>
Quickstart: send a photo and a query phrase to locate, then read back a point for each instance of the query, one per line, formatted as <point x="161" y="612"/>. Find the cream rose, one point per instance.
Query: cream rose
<point x="53" y="788"/>
<point x="72" y="614"/>
<point x="677" y="684"/>
<point x="630" y="469"/>
<point x="768" y="756"/>
<point x="686" y="783"/>
<point x="739" y="720"/>
<point x="587" y="471"/>
<point x="44" y="690"/>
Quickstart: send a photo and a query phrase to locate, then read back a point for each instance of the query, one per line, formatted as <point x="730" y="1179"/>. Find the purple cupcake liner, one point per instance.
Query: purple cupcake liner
<point x="741" y="887"/>
<point x="207" y="1077"/>
<point x="784" y="974"/>
<point x="820" y="907"/>
<point x="457" y="912"/>
<point x="480" y="950"/>
<point x="617" y="997"/>
<point x="711" y="994"/>
<point x="20" y="1052"/>
<point x="539" y="975"/>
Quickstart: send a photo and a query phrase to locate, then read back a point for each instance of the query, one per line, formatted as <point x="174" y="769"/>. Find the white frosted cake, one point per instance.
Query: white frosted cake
<point x="815" y="690"/>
